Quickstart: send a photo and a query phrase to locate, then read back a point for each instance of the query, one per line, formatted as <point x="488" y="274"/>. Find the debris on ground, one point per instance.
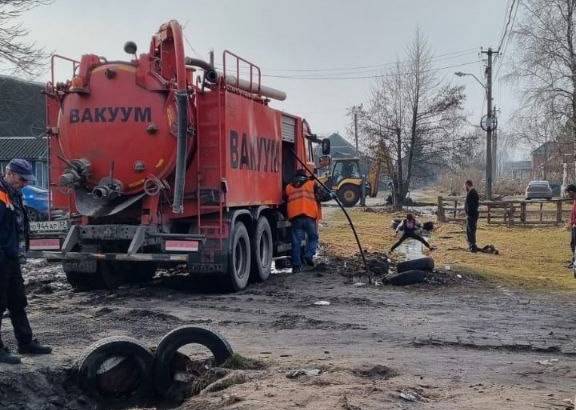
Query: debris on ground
<point x="321" y="303"/>
<point x="294" y="374"/>
<point x="375" y="372"/>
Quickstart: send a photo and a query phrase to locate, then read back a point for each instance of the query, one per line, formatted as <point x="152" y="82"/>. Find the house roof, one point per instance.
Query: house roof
<point x="32" y="148"/>
<point x="518" y="165"/>
<point x="22" y="107"/>
<point x="340" y="147"/>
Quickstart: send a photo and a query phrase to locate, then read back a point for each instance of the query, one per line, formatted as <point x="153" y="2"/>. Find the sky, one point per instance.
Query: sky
<point x="336" y="40"/>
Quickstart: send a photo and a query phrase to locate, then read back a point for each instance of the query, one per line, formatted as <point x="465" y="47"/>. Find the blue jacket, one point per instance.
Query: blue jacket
<point x="10" y="236"/>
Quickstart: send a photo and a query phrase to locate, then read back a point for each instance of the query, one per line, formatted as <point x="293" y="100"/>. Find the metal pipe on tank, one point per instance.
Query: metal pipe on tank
<point x="252" y="87"/>
<point x="182" y="104"/>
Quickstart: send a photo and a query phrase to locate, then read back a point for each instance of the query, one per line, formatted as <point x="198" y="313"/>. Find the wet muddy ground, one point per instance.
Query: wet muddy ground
<point x="455" y="343"/>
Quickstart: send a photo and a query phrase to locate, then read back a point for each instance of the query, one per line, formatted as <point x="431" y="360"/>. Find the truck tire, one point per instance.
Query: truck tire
<point x="349" y="195"/>
<point x="239" y="258"/>
<point x="81" y="281"/>
<point x="426" y="264"/>
<point x="107" y="276"/>
<point x="139" y="272"/>
<point x="126" y="383"/>
<point x="262" y="251"/>
<point x="164" y="382"/>
<point x="409" y="277"/>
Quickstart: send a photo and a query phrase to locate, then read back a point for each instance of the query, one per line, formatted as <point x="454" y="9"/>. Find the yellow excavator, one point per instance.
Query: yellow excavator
<point x="344" y="178"/>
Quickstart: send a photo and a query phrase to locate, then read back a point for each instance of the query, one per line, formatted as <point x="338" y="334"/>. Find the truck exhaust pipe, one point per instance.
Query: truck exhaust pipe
<point x="181" y="149"/>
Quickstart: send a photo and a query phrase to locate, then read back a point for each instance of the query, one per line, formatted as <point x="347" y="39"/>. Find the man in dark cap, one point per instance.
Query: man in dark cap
<point x="13" y="245"/>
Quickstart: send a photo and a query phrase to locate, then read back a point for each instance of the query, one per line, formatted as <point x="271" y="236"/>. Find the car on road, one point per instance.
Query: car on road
<point x="539" y="190"/>
<point x="35" y="202"/>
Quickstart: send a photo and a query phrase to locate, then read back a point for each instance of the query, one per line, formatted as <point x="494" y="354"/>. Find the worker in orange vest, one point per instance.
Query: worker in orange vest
<point x="303" y="196"/>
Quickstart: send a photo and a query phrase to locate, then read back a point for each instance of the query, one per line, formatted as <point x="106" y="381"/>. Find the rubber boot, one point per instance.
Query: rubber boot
<point x="7" y="357"/>
<point x="34" y="348"/>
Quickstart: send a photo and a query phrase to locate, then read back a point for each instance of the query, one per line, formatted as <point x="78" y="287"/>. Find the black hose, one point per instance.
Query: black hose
<point x="341" y="207"/>
<point x="182" y="105"/>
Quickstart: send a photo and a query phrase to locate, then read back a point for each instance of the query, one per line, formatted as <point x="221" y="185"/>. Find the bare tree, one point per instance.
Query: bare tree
<point x="546" y="70"/>
<point x="412" y="118"/>
<point x="25" y="57"/>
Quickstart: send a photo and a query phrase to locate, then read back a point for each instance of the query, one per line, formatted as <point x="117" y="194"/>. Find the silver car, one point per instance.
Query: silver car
<point x="538" y="190"/>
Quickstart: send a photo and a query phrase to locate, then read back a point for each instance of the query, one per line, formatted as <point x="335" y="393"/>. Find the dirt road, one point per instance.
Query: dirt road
<point x="468" y="345"/>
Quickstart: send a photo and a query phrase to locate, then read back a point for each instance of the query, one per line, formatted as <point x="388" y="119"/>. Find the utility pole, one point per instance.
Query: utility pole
<point x="494" y="148"/>
<point x="356" y="129"/>
<point x="489" y="122"/>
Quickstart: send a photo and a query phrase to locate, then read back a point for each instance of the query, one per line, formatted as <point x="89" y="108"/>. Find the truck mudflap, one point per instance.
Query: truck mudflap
<point x="120" y="257"/>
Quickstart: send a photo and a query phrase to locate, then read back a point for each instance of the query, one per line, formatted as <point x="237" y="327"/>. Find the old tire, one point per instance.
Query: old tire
<point x="138" y="380"/>
<point x="239" y="258"/>
<point x="349" y="195"/>
<point x="262" y="250"/>
<point x="425" y="264"/>
<point x="410" y="277"/>
<point x="164" y="382"/>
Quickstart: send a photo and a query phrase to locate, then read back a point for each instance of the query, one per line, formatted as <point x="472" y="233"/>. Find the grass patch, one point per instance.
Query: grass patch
<point x="533" y="258"/>
<point x="239" y="362"/>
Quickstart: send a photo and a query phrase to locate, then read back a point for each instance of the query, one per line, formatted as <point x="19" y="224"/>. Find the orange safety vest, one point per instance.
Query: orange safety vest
<point x="5" y="198"/>
<point x="302" y="201"/>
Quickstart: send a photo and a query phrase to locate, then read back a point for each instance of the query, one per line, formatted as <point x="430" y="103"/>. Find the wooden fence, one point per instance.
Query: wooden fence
<point x="509" y="212"/>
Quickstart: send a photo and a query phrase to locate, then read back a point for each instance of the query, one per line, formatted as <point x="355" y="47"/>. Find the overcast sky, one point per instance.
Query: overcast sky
<point x="297" y="38"/>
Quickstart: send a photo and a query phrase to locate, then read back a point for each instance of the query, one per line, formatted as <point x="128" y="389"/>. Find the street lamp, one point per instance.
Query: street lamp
<point x="489" y="125"/>
<point x="461" y="74"/>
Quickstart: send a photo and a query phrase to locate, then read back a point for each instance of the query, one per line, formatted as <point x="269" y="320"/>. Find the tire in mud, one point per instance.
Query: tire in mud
<point x="426" y="264"/>
<point x="167" y="350"/>
<point x="349" y="195"/>
<point x="239" y="258"/>
<point x="125" y="383"/>
<point x="107" y="276"/>
<point x="262" y="251"/>
<point x="410" y="277"/>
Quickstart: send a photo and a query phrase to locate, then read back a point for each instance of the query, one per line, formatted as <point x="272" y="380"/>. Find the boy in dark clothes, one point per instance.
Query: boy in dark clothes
<point x="408" y="227"/>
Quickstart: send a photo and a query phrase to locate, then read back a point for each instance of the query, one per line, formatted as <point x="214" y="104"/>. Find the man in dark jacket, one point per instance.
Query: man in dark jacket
<point x="13" y="245"/>
<point x="471" y="208"/>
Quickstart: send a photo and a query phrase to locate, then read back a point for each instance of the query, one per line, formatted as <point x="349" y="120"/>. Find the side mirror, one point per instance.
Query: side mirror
<point x="324" y="161"/>
<point x="325" y="146"/>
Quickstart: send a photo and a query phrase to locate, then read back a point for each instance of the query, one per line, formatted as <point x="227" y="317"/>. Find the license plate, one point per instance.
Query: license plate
<point x="49" y="226"/>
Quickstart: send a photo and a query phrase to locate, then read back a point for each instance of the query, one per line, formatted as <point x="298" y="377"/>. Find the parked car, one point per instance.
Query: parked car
<point x="35" y="202"/>
<point x="539" y="190"/>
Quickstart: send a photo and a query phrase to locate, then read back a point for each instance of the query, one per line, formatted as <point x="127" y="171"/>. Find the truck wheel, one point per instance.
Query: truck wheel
<point x="239" y="258"/>
<point x="33" y="214"/>
<point x="81" y="281"/>
<point x="349" y="195"/>
<point x="139" y="272"/>
<point x="262" y="250"/>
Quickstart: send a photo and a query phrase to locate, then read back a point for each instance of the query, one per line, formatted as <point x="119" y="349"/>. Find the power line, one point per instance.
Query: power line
<point x="507" y="25"/>
<point x="368" y="76"/>
<point x="350" y="70"/>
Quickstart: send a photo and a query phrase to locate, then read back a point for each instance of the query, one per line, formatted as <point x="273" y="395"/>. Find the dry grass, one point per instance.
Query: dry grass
<point x="533" y="258"/>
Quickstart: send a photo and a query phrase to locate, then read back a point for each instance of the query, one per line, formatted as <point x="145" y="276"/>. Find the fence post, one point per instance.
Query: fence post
<point x="559" y="212"/>
<point x="440" y="212"/>
<point x="523" y="212"/>
<point x="455" y="207"/>
<point x="541" y="216"/>
<point x="488" y="213"/>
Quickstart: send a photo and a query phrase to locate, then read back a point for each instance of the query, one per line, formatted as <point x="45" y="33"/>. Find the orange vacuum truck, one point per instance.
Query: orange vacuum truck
<point x="165" y="160"/>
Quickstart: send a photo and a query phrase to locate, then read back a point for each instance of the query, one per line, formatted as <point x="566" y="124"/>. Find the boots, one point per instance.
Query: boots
<point x="7" y="357"/>
<point x="34" y="348"/>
